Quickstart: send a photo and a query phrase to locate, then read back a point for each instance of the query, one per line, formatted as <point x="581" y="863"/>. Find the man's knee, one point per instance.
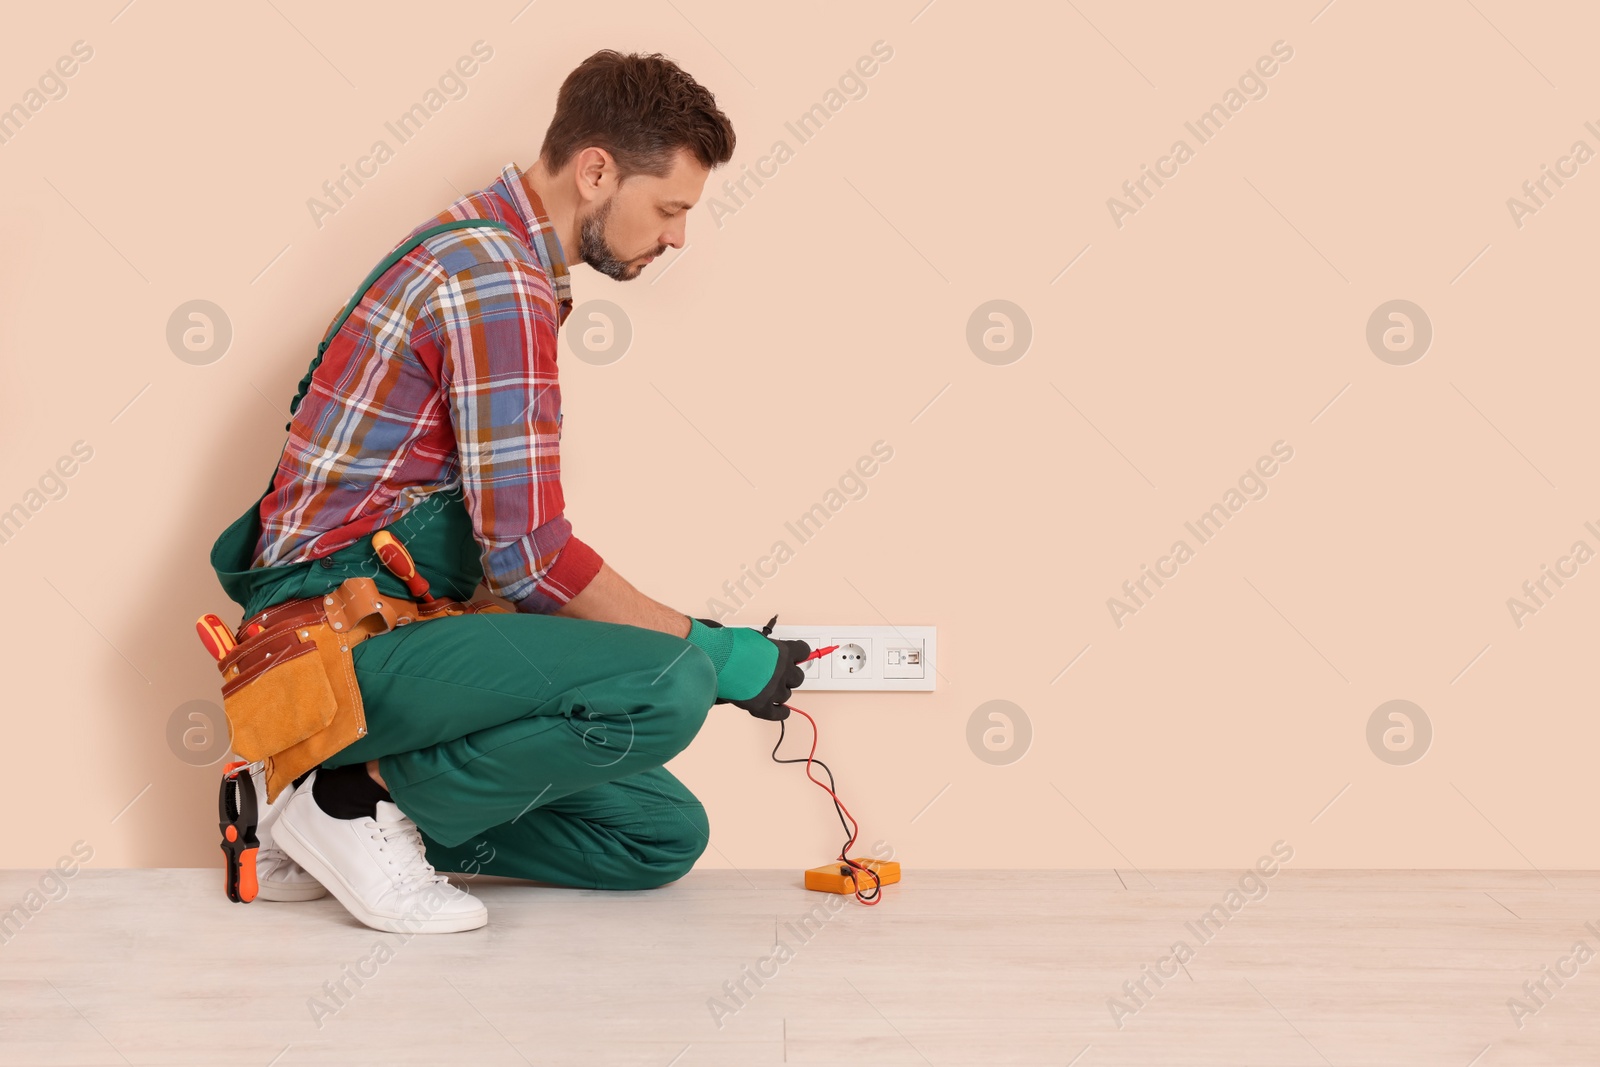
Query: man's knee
<point x="685" y="836"/>
<point x="690" y="683"/>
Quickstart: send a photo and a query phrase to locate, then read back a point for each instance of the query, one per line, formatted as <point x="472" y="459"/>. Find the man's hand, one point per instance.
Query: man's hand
<point x="754" y="672"/>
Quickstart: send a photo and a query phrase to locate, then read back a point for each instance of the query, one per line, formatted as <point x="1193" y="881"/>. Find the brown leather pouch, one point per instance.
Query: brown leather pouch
<point x="276" y="692"/>
<point x="290" y="691"/>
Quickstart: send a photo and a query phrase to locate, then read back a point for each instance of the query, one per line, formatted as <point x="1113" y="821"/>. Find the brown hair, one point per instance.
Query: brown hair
<point x="641" y="109"/>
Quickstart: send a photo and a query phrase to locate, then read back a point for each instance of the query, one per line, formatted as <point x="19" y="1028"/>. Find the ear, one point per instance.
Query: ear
<point x="594" y="173"/>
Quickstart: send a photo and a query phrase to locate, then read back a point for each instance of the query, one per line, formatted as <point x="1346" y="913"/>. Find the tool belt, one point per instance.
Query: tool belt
<point x="289" y="684"/>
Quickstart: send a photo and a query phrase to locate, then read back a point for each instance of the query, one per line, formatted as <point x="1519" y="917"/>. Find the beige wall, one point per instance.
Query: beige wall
<point x="1226" y="314"/>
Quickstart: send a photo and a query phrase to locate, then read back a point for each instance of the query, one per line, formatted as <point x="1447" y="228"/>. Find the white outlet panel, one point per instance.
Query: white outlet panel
<point x="869" y="658"/>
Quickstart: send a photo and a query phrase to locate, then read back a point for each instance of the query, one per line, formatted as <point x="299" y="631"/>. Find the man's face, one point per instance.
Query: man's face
<point x="644" y="216"/>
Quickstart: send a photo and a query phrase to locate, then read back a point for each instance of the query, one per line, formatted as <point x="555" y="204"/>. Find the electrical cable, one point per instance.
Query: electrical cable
<point x="846" y="820"/>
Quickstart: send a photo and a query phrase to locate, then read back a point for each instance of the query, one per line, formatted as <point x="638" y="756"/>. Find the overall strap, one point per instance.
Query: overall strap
<point x="377" y="272"/>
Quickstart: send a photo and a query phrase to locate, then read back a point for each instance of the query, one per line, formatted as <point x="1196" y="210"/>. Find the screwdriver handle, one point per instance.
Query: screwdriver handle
<point x="395" y="557"/>
<point x="215" y="635"/>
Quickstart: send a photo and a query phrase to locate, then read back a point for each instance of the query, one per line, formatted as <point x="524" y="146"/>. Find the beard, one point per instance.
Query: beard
<point x="596" y="251"/>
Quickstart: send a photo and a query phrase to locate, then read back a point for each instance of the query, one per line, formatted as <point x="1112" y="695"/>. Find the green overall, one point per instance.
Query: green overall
<point x="523" y="745"/>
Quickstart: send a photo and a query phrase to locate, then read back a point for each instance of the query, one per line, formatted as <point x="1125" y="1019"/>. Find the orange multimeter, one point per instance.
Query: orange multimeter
<point x="838" y="877"/>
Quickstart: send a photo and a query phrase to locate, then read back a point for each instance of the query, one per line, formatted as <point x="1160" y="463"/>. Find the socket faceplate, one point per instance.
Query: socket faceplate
<point x="869" y="659"/>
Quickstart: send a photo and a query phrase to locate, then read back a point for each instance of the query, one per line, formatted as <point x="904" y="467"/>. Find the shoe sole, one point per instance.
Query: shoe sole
<point x="291" y="891"/>
<point x="297" y="849"/>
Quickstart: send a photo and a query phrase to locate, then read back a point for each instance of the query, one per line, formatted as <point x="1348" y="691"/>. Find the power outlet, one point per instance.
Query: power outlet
<point x="869" y="658"/>
<point x="852" y="659"/>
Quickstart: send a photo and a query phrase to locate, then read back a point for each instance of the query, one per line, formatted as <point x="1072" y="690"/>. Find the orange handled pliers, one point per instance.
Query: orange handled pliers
<point x="236" y="810"/>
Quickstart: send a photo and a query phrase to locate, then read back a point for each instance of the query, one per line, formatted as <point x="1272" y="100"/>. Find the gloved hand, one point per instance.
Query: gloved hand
<point x="754" y="672"/>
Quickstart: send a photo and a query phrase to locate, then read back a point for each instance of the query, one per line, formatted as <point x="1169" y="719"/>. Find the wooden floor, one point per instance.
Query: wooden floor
<point x="1329" y="968"/>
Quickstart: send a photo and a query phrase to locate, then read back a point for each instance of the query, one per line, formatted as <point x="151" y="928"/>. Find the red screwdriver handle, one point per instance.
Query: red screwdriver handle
<point x="395" y="557"/>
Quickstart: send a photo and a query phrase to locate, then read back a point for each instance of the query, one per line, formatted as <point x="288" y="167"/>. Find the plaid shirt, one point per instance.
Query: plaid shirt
<point x="444" y="376"/>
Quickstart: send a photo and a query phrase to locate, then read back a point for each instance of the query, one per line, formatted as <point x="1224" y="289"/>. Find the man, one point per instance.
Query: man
<point x="526" y="744"/>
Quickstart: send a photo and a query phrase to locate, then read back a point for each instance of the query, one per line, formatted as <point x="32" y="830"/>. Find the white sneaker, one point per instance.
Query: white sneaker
<point x="376" y="867"/>
<point x="277" y="876"/>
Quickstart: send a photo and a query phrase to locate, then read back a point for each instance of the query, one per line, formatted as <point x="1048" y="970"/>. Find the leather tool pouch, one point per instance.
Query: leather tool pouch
<point x="290" y="691"/>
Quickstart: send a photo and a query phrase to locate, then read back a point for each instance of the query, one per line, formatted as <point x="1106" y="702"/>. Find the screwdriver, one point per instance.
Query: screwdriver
<point x="401" y="565"/>
<point x="215" y="635"/>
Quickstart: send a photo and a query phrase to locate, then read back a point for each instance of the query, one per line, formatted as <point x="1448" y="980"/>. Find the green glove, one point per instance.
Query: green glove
<point x="754" y="672"/>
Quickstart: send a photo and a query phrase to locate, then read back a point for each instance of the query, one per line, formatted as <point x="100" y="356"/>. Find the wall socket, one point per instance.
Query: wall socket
<point x="869" y="658"/>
